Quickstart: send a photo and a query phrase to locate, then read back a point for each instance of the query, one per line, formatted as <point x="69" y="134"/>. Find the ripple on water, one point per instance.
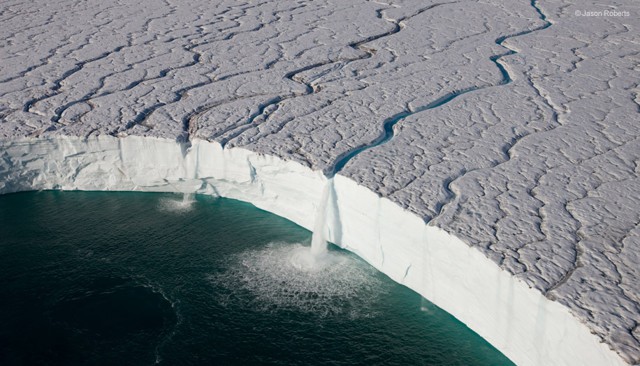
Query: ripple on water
<point x="115" y="307"/>
<point x="107" y="320"/>
<point x="280" y="277"/>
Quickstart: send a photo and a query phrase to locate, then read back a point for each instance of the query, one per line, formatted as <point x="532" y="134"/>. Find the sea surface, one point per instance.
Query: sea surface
<point x="104" y="278"/>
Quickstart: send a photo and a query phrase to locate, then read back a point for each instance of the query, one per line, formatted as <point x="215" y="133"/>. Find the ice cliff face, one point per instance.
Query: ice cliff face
<point x="509" y="128"/>
<point x="518" y="320"/>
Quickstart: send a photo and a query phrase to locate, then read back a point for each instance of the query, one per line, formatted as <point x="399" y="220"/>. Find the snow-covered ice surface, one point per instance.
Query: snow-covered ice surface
<point x="513" y="125"/>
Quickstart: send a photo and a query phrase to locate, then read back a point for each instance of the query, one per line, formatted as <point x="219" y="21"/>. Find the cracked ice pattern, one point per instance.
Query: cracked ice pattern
<point x="533" y="158"/>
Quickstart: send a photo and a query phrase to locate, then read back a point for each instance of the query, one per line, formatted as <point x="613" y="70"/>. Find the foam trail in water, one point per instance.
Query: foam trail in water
<point x="267" y="280"/>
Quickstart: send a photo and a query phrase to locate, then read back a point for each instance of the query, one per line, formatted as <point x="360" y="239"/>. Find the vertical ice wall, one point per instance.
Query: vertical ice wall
<point x="526" y="326"/>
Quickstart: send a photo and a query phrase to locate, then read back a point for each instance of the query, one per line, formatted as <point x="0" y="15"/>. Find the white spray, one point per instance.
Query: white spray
<point x="317" y="257"/>
<point x="319" y="238"/>
<point x="187" y="199"/>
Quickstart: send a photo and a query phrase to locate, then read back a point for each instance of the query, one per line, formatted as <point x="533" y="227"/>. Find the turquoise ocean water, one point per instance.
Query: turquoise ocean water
<point x="95" y="278"/>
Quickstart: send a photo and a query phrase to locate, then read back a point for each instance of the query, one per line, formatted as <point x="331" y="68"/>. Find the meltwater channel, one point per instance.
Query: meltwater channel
<point x="96" y="278"/>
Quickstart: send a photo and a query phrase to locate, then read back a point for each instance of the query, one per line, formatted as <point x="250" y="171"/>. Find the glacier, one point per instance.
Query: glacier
<point x="483" y="152"/>
<point x="519" y="321"/>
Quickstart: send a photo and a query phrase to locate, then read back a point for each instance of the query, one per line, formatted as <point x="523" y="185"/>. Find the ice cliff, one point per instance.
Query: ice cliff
<point x="487" y="153"/>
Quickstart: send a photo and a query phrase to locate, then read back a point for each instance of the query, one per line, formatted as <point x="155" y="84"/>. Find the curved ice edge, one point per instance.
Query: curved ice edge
<point x="519" y="321"/>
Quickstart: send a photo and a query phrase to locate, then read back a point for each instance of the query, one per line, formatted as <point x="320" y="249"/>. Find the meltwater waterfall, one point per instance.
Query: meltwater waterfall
<point x="319" y="238"/>
<point x="187" y="199"/>
<point x="180" y="205"/>
<point x="318" y="256"/>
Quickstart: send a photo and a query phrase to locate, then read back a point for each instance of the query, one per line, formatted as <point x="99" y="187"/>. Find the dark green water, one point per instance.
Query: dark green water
<point x="137" y="278"/>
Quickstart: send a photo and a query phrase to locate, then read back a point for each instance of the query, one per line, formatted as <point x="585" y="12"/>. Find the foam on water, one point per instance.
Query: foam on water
<point x="178" y="205"/>
<point x="277" y="278"/>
